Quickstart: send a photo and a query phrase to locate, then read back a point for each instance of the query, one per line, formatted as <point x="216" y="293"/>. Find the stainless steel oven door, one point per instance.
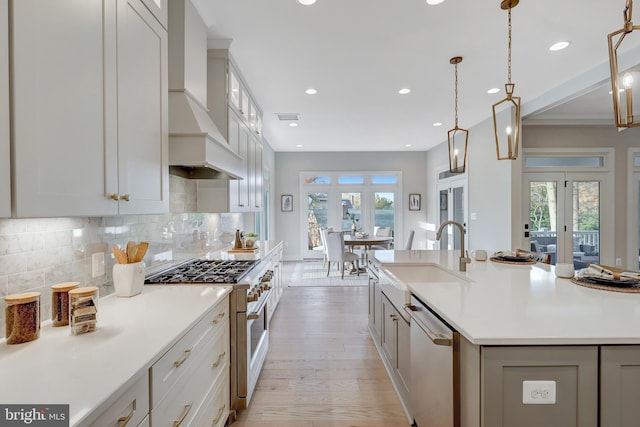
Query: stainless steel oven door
<point x="257" y="341"/>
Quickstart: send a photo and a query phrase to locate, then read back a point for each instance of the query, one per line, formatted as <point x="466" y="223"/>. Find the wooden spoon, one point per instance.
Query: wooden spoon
<point x="141" y="251"/>
<point x="120" y="255"/>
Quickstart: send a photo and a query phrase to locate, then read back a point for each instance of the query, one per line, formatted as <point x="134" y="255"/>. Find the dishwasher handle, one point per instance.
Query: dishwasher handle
<point x="436" y="338"/>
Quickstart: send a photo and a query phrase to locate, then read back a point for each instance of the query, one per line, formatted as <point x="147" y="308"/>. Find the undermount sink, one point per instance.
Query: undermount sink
<point x="393" y="281"/>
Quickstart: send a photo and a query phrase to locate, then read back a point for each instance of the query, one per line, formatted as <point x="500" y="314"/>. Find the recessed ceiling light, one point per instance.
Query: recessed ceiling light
<point x="559" y="46"/>
<point x="437" y="124"/>
<point x="493" y="90"/>
<point x="299" y="145"/>
<point x="311" y="91"/>
<point x="434" y="2"/>
<point x="404" y="91"/>
<point x="293" y="125"/>
<point x="407" y="145"/>
<point x="306" y="2"/>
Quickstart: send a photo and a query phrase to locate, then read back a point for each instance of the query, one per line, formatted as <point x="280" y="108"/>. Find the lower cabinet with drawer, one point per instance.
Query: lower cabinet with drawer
<point x="131" y="408"/>
<point x="184" y="379"/>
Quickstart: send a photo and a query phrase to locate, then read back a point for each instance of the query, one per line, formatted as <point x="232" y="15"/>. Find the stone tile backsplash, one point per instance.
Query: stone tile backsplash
<point x="37" y="253"/>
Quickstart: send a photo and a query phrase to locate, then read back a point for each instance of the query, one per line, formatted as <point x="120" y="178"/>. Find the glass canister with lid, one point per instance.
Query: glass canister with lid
<point x="22" y="317"/>
<point x="60" y="302"/>
<point x="83" y="309"/>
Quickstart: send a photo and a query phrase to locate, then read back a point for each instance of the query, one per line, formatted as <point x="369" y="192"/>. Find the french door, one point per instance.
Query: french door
<point x="451" y="196"/>
<point x="567" y="214"/>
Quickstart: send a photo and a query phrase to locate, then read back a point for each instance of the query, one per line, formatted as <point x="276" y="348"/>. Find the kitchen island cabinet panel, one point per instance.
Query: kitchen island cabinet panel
<point x="88" y="109"/>
<point x="5" y="164"/>
<point x="574" y="370"/>
<point x="619" y="386"/>
<point x="131" y="407"/>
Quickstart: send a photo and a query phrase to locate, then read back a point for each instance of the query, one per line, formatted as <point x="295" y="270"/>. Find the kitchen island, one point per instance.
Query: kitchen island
<point x="520" y="323"/>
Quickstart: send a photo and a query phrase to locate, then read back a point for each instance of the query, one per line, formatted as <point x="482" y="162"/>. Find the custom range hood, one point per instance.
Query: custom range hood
<point x="197" y="148"/>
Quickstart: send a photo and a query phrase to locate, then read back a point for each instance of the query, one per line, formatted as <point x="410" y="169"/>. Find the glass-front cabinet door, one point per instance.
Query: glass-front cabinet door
<point x="234" y="90"/>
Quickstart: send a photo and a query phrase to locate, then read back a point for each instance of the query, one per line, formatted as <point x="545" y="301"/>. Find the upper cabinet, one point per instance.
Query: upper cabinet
<point x="236" y="114"/>
<point x="89" y="108"/>
<point x="5" y="158"/>
<point x="159" y="10"/>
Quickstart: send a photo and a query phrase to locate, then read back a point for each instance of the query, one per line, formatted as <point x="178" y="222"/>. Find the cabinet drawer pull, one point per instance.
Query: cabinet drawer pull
<point x="123" y="421"/>
<point x="187" y="353"/>
<point x="393" y="317"/>
<point x="220" y="412"/>
<point x="125" y="197"/>
<point x="114" y="196"/>
<point x="218" y="317"/>
<point x="217" y="362"/>
<point x="187" y="408"/>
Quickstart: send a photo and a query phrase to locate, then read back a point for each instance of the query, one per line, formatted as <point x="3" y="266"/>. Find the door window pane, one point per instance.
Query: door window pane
<point x="444" y="216"/>
<point x="322" y="180"/>
<point x="385" y="179"/>
<point x="317" y="216"/>
<point x="586" y="223"/>
<point x="543" y="217"/>
<point x="350" y="180"/>
<point x="351" y="211"/>
<point x="384" y="210"/>
<point x="458" y="214"/>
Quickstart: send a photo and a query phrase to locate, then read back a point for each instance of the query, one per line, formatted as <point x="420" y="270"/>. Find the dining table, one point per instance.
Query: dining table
<point x="366" y="242"/>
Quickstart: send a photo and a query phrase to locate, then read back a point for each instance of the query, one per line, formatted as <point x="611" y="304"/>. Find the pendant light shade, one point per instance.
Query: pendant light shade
<point x="506" y="113"/>
<point x="457" y="137"/>
<point x="624" y="84"/>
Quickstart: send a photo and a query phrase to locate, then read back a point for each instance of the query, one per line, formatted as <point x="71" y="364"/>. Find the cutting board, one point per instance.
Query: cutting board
<point x="243" y="250"/>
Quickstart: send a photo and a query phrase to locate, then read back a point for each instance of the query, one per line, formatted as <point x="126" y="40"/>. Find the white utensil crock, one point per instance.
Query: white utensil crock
<point x="128" y="279"/>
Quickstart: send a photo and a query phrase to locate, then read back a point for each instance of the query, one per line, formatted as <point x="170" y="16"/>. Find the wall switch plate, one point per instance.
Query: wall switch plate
<point x="474" y="216"/>
<point x="539" y="392"/>
<point x="618" y="262"/>
<point x="97" y="264"/>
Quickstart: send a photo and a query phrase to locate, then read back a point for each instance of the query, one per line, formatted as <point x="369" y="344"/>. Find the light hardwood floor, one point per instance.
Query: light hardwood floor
<point x="322" y="369"/>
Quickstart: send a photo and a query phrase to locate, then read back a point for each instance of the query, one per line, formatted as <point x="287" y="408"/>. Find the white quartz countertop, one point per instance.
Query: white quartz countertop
<point x="505" y="304"/>
<point x="85" y="371"/>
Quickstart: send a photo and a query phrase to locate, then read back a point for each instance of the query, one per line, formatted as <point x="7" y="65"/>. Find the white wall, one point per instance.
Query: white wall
<point x="288" y="166"/>
<point x="490" y="185"/>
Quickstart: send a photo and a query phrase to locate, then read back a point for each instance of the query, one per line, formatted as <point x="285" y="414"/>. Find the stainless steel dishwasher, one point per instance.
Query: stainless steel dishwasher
<point x="434" y="395"/>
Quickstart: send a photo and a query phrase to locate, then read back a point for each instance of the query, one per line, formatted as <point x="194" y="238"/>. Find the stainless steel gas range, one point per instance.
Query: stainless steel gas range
<point x="251" y="281"/>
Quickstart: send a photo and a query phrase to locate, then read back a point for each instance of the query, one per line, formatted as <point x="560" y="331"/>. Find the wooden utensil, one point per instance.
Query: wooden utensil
<point x="141" y="251"/>
<point x="120" y="255"/>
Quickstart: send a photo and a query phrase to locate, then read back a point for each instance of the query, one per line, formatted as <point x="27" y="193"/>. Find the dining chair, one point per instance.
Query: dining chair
<point x="409" y="242"/>
<point x="336" y="252"/>
<point x="323" y="239"/>
<point x="382" y="232"/>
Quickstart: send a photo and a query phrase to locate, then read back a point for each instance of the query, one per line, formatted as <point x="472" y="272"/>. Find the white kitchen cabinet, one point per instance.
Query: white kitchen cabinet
<point x="130" y="408"/>
<point x="183" y="379"/>
<point x="239" y="119"/>
<point x="159" y="9"/>
<point x="5" y="158"/>
<point x="143" y="156"/>
<point x="395" y="340"/>
<point x="99" y="104"/>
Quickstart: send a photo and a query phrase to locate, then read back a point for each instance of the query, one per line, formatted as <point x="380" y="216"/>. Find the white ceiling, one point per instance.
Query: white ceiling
<point x="359" y="53"/>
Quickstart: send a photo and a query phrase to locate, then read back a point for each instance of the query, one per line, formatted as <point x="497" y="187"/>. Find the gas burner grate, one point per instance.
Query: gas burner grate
<point x="204" y="271"/>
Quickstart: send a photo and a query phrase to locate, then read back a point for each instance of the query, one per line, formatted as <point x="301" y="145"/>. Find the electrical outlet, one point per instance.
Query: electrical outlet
<point x="618" y="262"/>
<point x="474" y="216"/>
<point x="97" y="264"/>
<point x="539" y="392"/>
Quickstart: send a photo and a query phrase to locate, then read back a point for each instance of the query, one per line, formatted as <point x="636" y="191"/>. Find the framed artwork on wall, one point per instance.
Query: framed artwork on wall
<point x="414" y="202"/>
<point x="286" y="203"/>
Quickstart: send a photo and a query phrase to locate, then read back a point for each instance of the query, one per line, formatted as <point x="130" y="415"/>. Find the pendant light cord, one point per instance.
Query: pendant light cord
<point x="509" y="55"/>
<point x="456" y="65"/>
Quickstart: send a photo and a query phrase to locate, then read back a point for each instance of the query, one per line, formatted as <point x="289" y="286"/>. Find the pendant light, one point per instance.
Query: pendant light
<point x="458" y="138"/>
<point x="622" y="82"/>
<point x="506" y="113"/>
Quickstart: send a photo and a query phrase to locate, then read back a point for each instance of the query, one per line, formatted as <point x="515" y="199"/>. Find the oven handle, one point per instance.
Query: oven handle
<point x="256" y="314"/>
